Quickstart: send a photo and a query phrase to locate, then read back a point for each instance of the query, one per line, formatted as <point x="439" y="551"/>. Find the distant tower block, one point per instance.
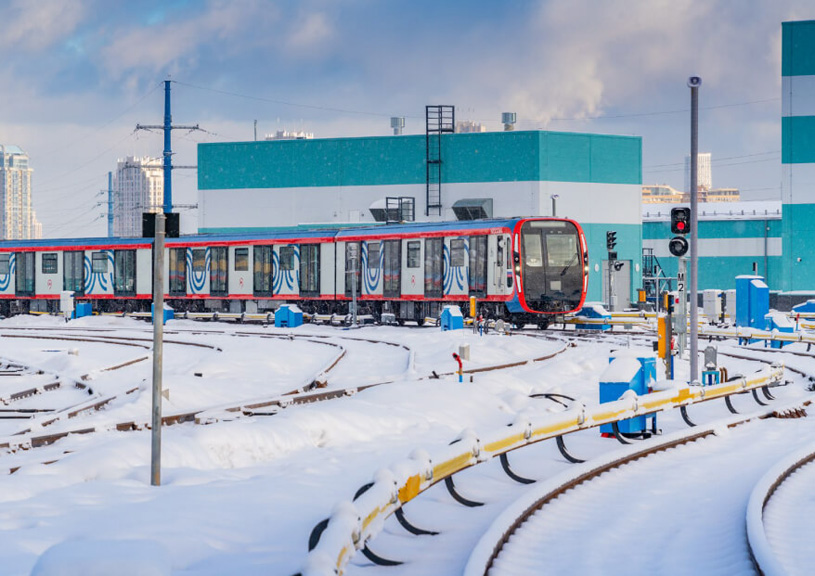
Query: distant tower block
<point x="508" y="120"/>
<point x="398" y="124"/>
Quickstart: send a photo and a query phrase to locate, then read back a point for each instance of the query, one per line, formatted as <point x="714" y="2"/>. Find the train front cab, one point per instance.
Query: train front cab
<point x="551" y="262"/>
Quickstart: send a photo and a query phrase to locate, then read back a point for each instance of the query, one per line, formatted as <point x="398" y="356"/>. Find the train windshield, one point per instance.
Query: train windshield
<point x="552" y="268"/>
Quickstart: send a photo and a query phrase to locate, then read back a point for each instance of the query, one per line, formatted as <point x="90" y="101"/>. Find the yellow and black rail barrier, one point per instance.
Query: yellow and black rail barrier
<point x="335" y="540"/>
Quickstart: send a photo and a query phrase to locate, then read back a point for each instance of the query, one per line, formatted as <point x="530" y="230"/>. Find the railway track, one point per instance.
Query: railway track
<point x="426" y="508"/>
<point x="310" y="392"/>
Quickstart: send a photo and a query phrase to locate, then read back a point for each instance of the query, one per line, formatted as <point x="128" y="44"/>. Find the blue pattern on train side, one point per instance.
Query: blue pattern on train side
<point x="372" y="276"/>
<point x="290" y="277"/>
<point x="197" y="280"/>
<point x="5" y="279"/>
<point x="104" y="280"/>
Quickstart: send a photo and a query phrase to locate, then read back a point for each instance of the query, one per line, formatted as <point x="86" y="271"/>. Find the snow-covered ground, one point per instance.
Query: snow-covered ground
<point x="241" y="496"/>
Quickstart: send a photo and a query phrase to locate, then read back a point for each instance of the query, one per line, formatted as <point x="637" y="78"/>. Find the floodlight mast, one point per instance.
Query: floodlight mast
<point x="694" y="82"/>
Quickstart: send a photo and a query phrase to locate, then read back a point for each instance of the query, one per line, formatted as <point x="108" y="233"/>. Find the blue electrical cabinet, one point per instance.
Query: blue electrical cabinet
<point x="82" y="309"/>
<point x="752" y="301"/>
<point x="169" y="313"/>
<point x="599" y="317"/>
<point x="288" y="316"/>
<point x="780" y="323"/>
<point x="451" y="319"/>
<point x="628" y="373"/>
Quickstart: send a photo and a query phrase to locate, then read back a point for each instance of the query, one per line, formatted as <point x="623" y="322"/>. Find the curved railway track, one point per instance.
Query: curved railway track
<point x="476" y="497"/>
<point x="302" y="395"/>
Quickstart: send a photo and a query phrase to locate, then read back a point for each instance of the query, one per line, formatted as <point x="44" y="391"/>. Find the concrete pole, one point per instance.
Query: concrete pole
<point x="694" y="82"/>
<point x="158" y="348"/>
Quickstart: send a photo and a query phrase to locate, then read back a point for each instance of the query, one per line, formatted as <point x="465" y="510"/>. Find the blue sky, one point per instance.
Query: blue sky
<point x="78" y="76"/>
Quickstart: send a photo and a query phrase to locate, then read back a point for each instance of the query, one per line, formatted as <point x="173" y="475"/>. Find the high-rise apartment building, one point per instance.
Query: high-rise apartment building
<point x="704" y="172"/>
<point x="18" y="219"/>
<point x="138" y="187"/>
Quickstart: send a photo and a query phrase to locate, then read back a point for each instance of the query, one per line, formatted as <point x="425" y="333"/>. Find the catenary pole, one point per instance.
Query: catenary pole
<point x="158" y="348"/>
<point x="694" y="82"/>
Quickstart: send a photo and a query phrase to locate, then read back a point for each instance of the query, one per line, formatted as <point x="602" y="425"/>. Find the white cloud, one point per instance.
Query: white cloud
<point x="34" y="26"/>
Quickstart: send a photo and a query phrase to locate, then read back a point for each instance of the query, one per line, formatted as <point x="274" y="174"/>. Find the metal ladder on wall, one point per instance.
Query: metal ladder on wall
<point x="438" y="120"/>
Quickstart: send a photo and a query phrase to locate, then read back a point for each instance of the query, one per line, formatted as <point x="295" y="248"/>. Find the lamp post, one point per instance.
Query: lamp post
<point x="554" y="198"/>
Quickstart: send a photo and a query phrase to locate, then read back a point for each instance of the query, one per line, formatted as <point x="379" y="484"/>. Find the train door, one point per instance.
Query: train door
<point x="24" y="275"/>
<point x="219" y="271"/>
<point x="124" y="272"/>
<point x="262" y="270"/>
<point x="310" y="270"/>
<point x="477" y="271"/>
<point x="178" y="272"/>
<point x="73" y="271"/>
<point x="392" y="269"/>
<point x="352" y="267"/>
<point x="433" y="267"/>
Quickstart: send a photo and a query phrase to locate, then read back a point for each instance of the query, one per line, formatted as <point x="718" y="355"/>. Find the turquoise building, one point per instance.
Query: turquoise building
<point x="592" y="178"/>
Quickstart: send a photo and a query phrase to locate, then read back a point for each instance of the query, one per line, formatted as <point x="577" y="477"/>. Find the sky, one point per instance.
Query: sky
<point x="79" y="76"/>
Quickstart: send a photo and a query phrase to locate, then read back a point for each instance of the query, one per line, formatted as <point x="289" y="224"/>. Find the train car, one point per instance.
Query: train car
<point x="523" y="269"/>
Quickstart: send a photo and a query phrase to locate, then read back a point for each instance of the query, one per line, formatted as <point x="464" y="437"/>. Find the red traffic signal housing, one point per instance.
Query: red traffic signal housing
<point x="680" y="220"/>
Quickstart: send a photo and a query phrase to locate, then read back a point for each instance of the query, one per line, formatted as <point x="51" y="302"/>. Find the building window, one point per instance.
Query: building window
<point x="49" y="263"/>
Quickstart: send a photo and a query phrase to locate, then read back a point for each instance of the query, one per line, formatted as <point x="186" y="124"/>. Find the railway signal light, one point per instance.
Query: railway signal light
<point x="680" y="220"/>
<point x="678" y="246"/>
<point x="611" y="240"/>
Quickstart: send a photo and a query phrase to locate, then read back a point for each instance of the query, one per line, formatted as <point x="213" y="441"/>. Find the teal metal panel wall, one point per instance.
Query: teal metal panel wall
<point x="797" y="139"/>
<point x="799" y="238"/>
<point x="390" y="160"/>
<point x="717" y="229"/>
<point x="720" y="273"/>
<point x="798" y="48"/>
<point x="629" y="247"/>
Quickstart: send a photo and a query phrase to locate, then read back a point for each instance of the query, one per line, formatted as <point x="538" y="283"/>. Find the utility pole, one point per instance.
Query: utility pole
<point x="693" y="83"/>
<point x="168" y="148"/>
<point x="158" y="349"/>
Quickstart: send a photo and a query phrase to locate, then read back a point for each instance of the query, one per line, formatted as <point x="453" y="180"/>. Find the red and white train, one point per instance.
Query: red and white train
<point x="524" y="269"/>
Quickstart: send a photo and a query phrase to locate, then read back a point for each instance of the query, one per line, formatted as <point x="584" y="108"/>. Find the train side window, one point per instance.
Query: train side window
<point x="24" y="276"/>
<point x="433" y="267"/>
<point x="99" y="263"/>
<point x="49" y="263"/>
<point x="178" y="271"/>
<point x="286" y="257"/>
<point x="241" y="259"/>
<point x="373" y="255"/>
<point x="124" y="272"/>
<point x="4" y="263"/>
<point x="73" y="271"/>
<point x="218" y="271"/>
<point x="533" y="250"/>
<point x="199" y="260"/>
<point x="262" y="257"/>
<point x="310" y="270"/>
<point x="414" y="254"/>
<point x="478" y="264"/>
<point x="457" y="252"/>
